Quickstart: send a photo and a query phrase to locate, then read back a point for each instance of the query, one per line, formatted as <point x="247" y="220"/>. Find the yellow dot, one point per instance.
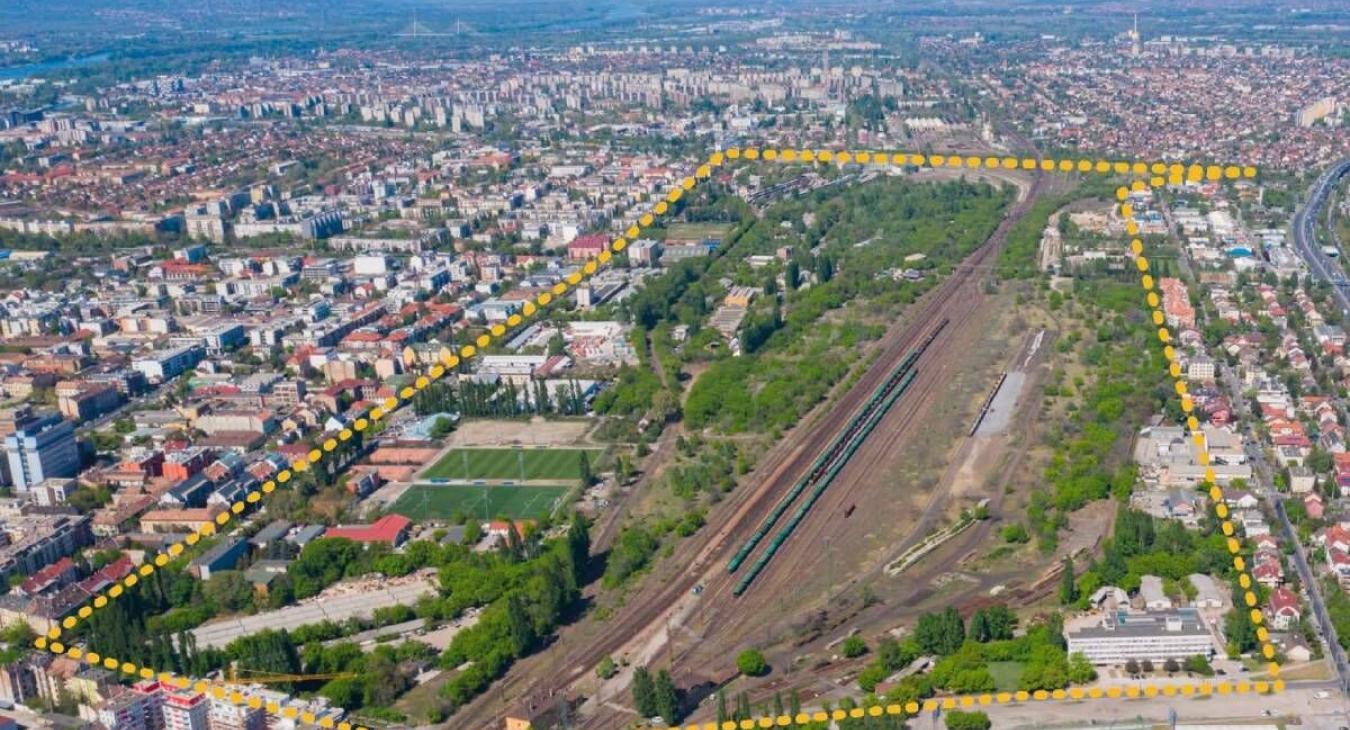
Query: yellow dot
<point x="221" y="519"/>
<point x="544" y="299"/>
<point x="468" y="351"/>
<point x="751" y="154"/>
<point x="58" y="648"/>
<point x="688" y="183"/>
<point x="483" y="341"/>
<point x="1047" y="165"/>
<point x="863" y="157"/>
<point x="100" y="601"/>
<point x="1257" y="617"/>
<point x="93" y="658"/>
<point x="937" y="160"/>
<point x="69" y="622"/>
<point x="1103" y="166"/>
<point x="1249" y="171"/>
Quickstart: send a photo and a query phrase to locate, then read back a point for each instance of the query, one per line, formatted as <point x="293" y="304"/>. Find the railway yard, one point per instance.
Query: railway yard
<point x="894" y="474"/>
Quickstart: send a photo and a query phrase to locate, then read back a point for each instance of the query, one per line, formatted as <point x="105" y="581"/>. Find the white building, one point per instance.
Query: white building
<point x="1153" y="635"/>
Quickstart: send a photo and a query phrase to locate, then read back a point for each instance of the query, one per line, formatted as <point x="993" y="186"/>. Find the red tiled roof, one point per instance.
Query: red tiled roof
<point x="386" y="529"/>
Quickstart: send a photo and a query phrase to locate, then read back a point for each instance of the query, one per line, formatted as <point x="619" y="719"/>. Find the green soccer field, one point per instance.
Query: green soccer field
<point x="442" y="501"/>
<point x="512" y="464"/>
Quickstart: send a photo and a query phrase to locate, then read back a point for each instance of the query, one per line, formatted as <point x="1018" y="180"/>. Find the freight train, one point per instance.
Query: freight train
<point x="828" y="465"/>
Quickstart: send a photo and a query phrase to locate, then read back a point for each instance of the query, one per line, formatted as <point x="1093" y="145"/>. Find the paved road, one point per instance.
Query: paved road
<point x="1305" y="232"/>
<point x="1261" y="470"/>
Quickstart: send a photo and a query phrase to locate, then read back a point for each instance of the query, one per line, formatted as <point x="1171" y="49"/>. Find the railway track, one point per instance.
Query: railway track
<point x="828" y="465"/>
<point x="779" y="470"/>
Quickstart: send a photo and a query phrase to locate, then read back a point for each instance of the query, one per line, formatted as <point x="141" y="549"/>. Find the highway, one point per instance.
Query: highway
<point x="1305" y="232"/>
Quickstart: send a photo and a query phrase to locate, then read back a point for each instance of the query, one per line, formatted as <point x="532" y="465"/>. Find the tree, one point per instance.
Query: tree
<point x="1080" y="669"/>
<point x="1171" y="666"/>
<point x="979" y="627"/>
<point x="644" y="693"/>
<point x="1146" y="666"/>
<point x="940" y="633"/>
<point x="228" y="591"/>
<point x="1002" y="622"/>
<point x="607" y="668"/>
<point x="854" y="646"/>
<point x="958" y="720"/>
<point x="751" y="663"/>
<point x="584" y="470"/>
<point x="442" y="427"/>
<point x="665" y="698"/>
<point x="1132" y="667"/>
<point x="1198" y="664"/>
<point x="1068" y="592"/>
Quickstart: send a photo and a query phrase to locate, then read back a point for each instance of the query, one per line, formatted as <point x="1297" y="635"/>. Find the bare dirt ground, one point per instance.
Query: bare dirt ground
<point x="535" y="432"/>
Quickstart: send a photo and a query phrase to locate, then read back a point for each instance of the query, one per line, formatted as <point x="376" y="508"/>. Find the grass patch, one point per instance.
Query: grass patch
<point x="443" y="501"/>
<point x="698" y="231"/>
<point x="512" y="464"/>
<point x="1007" y="675"/>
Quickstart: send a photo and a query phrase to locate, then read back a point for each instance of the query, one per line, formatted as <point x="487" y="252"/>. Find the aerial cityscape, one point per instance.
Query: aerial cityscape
<point x="706" y="364"/>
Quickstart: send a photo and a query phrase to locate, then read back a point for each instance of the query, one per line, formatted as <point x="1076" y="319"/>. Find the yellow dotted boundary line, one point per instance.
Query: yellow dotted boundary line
<point x="1175" y="172"/>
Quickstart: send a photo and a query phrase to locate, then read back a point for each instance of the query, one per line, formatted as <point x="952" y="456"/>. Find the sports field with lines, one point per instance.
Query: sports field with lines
<point x="443" y="501"/>
<point x="512" y="464"/>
